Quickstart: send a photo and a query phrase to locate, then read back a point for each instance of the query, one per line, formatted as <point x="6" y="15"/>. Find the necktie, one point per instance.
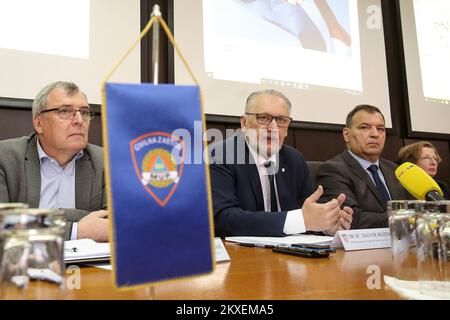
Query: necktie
<point x="273" y="196"/>
<point x="380" y="185"/>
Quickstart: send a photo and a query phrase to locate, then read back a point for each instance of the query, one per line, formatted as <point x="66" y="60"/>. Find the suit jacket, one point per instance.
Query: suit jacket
<point x="20" y="178"/>
<point x="444" y="189"/>
<point x="237" y="194"/>
<point x="343" y="174"/>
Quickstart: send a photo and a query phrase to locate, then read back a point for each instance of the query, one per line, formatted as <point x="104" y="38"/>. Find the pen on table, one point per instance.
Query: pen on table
<point x="73" y="249"/>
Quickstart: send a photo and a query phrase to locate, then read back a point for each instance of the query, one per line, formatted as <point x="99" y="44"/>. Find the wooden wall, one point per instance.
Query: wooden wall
<point x="320" y="145"/>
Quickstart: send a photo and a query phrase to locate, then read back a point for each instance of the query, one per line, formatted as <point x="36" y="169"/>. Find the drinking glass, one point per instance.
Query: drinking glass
<point x="8" y="206"/>
<point x="32" y="248"/>
<point x="433" y="230"/>
<point x="444" y="253"/>
<point x="402" y="221"/>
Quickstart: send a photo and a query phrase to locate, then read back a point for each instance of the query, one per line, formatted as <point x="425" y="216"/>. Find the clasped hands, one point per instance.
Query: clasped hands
<point x="94" y="226"/>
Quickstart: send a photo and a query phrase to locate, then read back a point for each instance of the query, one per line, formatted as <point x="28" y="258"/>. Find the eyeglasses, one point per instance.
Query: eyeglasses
<point x="266" y="119"/>
<point x="67" y="113"/>
<point x="431" y="159"/>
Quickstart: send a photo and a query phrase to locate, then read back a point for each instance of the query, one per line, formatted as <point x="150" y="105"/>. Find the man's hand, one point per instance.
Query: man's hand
<point x="346" y="218"/>
<point x="322" y="216"/>
<point x="94" y="226"/>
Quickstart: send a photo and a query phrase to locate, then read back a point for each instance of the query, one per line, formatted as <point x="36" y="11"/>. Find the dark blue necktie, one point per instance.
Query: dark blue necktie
<point x="380" y="185"/>
<point x="273" y="196"/>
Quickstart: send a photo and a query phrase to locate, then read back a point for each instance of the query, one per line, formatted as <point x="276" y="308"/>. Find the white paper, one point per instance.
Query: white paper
<point x="88" y="249"/>
<point x="362" y="239"/>
<point x="100" y="265"/>
<point x="274" y="241"/>
<point x="221" y="251"/>
<point x="85" y="249"/>
<point x="411" y="289"/>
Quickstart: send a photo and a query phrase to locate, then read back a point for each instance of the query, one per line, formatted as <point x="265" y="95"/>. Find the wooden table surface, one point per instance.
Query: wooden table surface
<point x="252" y="273"/>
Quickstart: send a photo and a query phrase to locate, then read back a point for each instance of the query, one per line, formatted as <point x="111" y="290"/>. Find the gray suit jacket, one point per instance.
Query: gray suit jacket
<point x="20" y="178"/>
<point x="343" y="174"/>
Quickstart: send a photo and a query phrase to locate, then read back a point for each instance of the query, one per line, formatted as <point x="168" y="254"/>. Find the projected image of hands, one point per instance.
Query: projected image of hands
<point x="295" y="43"/>
<point x="315" y="24"/>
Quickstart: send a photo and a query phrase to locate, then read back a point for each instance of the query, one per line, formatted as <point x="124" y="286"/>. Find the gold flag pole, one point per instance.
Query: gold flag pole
<point x="155" y="45"/>
<point x="156" y="13"/>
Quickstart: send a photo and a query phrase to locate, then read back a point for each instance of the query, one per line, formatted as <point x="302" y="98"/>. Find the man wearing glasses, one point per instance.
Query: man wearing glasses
<point x="261" y="187"/>
<point x="55" y="167"/>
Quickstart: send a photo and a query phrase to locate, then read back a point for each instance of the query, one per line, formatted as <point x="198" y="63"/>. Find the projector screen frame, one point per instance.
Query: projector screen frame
<point x="145" y="69"/>
<point x="398" y="94"/>
<point x="406" y="106"/>
<point x="388" y="11"/>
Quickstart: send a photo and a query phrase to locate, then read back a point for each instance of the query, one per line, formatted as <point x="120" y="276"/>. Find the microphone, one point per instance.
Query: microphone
<point x="418" y="182"/>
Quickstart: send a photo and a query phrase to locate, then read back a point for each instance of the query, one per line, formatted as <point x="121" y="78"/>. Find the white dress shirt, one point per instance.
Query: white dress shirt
<point x="294" y="219"/>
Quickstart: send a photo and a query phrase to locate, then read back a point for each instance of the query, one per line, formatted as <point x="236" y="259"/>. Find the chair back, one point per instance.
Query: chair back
<point x="313" y="166"/>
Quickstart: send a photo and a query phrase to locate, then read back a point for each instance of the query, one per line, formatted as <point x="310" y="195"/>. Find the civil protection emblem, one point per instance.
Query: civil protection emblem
<point x="158" y="160"/>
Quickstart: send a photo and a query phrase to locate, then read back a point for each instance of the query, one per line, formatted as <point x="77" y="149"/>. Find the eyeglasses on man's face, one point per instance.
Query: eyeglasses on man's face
<point x="431" y="159"/>
<point x="67" y="113"/>
<point x="266" y="119"/>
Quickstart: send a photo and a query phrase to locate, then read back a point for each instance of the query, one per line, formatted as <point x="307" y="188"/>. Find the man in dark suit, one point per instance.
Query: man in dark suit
<point x="367" y="180"/>
<point x="55" y="167"/>
<point x="261" y="187"/>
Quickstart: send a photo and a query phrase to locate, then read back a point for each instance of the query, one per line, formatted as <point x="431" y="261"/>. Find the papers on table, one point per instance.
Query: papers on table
<point x="221" y="251"/>
<point x="412" y="289"/>
<point x="101" y="265"/>
<point x="85" y="250"/>
<point x="276" y="241"/>
<point x="89" y="251"/>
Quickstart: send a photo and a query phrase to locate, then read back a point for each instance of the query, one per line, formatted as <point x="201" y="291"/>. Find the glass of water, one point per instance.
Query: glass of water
<point x="32" y="247"/>
<point x="444" y="254"/>
<point x="402" y="224"/>
<point x="8" y="206"/>
<point x="433" y="232"/>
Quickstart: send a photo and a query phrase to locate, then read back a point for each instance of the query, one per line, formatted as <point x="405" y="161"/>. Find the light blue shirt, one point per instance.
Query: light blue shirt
<point x="366" y="164"/>
<point x="57" y="184"/>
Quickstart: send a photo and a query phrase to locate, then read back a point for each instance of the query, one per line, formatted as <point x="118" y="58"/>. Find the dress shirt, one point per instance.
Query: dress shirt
<point x="294" y="219"/>
<point x="57" y="184"/>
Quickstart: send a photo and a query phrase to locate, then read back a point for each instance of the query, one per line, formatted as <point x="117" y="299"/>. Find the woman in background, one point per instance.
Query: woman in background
<point x="424" y="155"/>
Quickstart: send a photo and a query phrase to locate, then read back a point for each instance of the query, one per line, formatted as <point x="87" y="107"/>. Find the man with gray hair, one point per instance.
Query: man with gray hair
<point x="55" y="167"/>
<point x="261" y="187"/>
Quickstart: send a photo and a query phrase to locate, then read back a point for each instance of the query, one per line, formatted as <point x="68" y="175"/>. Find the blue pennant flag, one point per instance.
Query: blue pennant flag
<point x="159" y="191"/>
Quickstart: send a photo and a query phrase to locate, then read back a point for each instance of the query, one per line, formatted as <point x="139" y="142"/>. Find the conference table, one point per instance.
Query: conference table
<point x="251" y="274"/>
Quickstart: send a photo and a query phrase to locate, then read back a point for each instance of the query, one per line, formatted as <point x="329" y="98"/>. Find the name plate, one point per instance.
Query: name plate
<point x="361" y="239"/>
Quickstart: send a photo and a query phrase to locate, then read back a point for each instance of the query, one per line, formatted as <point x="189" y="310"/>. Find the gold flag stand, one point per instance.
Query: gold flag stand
<point x="155" y="21"/>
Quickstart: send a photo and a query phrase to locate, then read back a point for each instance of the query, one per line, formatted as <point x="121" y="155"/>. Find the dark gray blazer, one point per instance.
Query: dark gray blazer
<point x="343" y="174"/>
<point x="20" y="178"/>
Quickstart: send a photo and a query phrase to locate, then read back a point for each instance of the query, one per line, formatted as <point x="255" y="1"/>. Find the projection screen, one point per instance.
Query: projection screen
<point x="426" y="42"/>
<point x="326" y="56"/>
<point x="49" y="40"/>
